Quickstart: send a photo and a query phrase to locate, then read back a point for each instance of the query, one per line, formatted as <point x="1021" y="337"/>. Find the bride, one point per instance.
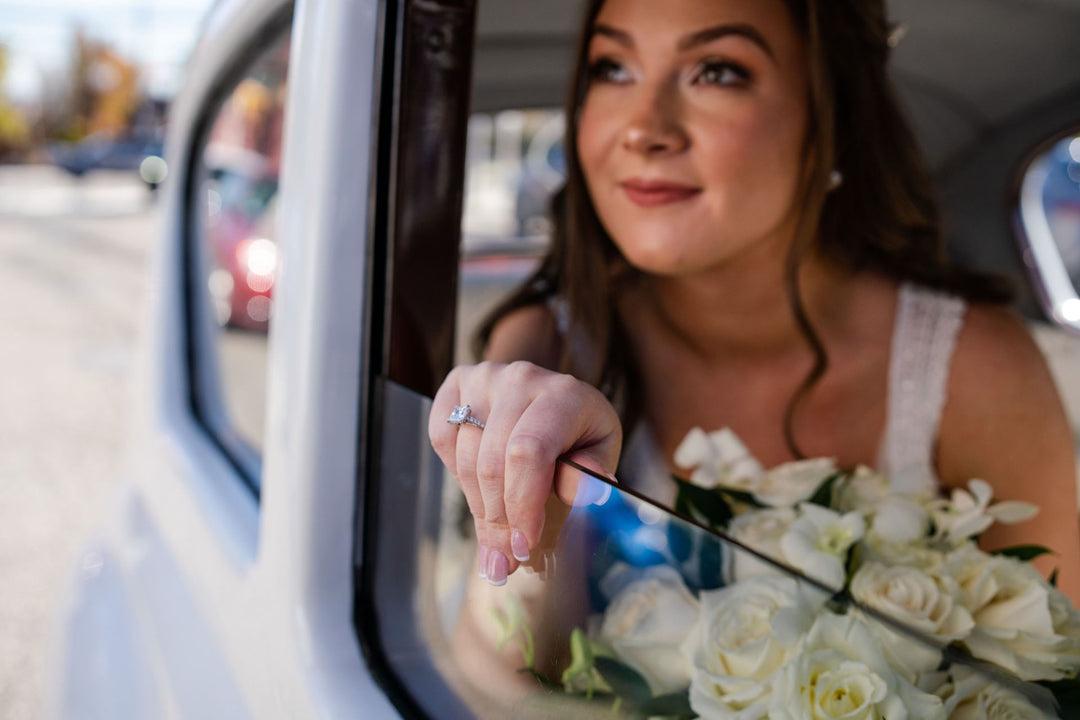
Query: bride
<point x="747" y="239"/>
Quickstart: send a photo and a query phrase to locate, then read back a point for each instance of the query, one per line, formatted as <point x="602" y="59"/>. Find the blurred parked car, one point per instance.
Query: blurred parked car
<point x="240" y="234"/>
<point x="103" y="151"/>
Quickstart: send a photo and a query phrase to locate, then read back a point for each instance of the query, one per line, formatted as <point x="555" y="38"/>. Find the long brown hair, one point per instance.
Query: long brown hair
<point x="882" y="218"/>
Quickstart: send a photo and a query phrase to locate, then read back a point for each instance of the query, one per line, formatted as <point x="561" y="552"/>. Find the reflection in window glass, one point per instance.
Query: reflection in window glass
<point x="1061" y="200"/>
<point x="240" y="165"/>
<point x="627" y="611"/>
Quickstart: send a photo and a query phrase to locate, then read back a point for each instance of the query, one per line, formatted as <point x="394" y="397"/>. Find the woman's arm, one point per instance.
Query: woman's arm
<point x="1004" y="422"/>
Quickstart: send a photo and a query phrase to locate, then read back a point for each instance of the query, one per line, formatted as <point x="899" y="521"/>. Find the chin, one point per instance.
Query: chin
<point x="657" y="258"/>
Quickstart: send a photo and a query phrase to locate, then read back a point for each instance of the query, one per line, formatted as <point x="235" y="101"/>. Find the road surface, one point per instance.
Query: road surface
<point x="72" y="289"/>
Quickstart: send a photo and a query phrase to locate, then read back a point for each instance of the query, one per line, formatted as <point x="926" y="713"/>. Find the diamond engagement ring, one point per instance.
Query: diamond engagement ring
<point x="461" y="416"/>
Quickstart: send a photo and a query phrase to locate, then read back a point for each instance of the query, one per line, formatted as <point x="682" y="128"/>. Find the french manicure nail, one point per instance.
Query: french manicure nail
<point x="483" y="561"/>
<point x="519" y="546"/>
<point x="498" y="566"/>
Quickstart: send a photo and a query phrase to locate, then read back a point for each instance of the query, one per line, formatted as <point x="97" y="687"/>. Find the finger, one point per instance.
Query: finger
<point x="444" y="437"/>
<point x="490" y="471"/>
<point x="442" y="434"/>
<point x="567" y="416"/>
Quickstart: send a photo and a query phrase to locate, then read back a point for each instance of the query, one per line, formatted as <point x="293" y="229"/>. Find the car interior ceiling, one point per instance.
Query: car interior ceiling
<point x="985" y="84"/>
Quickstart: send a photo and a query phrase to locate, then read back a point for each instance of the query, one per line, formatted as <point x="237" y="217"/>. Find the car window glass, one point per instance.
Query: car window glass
<point x="625" y="604"/>
<point x="235" y="253"/>
<point x="514" y="163"/>
<point x="470" y="649"/>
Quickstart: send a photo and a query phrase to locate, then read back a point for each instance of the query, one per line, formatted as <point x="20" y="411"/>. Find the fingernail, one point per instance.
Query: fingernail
<point x="483" y="561"/>
<point x="497" y="568"/>
<point x="519" y="546"/>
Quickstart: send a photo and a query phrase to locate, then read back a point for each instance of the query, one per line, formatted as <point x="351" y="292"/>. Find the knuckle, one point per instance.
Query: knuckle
<point x="565" y="384"/>
<point x="520" y="372"/>
<point x="489" y="469"/>
<point x="528" y="449"/>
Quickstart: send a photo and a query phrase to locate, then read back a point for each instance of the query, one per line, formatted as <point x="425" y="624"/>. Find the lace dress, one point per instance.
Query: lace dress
<point x="924" y="337"/>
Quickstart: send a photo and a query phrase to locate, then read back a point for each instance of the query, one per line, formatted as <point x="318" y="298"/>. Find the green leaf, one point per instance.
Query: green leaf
<point x="625" y="682"/>
<point x="824" y="493"/>
<point x="581" y="657"/>
<point x="1026" y="553"/>
<point x="704" y="504"/>
<point x="1053" y="577"/>
<point x="742" y="496"/>
<point x="673" y="705"/>
<point x="1067" y="694"/>
<point x="545" y="682"/>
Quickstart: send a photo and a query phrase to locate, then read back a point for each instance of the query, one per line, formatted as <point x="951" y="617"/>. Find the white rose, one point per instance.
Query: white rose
<point x="761" y="530"/>
<point x="1021" y="622"/>
<point x="789" y="484"/>
<point x="646" y="623"/>
<point x="818" y="540"/>
<point x="745" y="632"/>
<point x="718" y="458"/>
<point x="864" y="490"/>
<point x="972" y="697"/>
<point x="919" y="600"/>
<point x="839" y="672"/>
<point x="910" y="554"/>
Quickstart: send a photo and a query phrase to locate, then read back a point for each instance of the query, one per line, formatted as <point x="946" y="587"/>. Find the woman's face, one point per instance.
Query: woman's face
<point x="692" y="131"/>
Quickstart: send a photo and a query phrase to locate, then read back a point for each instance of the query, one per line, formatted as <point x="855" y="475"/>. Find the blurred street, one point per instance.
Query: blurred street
<point x="72" y="286"/>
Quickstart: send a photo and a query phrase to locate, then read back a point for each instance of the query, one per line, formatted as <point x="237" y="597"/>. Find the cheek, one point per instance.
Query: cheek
<point x="754" y="162"/>
<point x="596" y="131"/>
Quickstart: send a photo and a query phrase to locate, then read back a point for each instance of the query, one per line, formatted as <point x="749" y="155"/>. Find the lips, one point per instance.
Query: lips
<point x="654" y="193"/>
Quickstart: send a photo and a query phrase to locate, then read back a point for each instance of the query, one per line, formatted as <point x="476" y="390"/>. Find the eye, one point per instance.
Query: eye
<point x="606" y="70"/>
<point x="722" y="72"/>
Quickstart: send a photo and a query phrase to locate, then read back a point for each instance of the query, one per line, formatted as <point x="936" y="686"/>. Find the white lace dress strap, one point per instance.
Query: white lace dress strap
<point x="924" y="337"/>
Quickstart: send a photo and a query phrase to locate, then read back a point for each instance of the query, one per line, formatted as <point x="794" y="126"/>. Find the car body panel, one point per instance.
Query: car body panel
<point x="264" y="593"/>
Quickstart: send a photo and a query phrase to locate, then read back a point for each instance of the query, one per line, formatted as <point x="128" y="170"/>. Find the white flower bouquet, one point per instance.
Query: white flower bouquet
<point x="838" y="599"/>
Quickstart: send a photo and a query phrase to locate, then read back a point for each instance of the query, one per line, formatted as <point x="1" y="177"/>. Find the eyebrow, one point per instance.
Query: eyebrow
<point x="701" y="37"/>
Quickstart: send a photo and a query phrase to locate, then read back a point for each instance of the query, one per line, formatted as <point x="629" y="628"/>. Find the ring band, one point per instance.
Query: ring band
<point x="461" y="416"/>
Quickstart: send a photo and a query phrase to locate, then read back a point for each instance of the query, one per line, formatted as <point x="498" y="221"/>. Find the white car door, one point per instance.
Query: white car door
<point x="223" y="587"/>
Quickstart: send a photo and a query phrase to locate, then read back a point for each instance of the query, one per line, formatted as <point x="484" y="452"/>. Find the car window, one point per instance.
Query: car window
<point x="235" y="253"/>
<point x="1049" y="215"/>
<point x="1050" y="205"/>
<point x="614" y="572"/>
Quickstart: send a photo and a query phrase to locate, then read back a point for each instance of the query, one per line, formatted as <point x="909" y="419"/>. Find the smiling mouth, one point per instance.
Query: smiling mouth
<point x="647" y="193"/>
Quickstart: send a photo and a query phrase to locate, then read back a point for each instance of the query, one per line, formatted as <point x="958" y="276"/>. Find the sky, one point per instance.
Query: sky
<point x="158" y="34"/>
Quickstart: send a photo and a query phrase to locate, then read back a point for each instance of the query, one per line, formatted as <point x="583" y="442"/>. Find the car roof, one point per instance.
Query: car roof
<point x="963" y="68"/>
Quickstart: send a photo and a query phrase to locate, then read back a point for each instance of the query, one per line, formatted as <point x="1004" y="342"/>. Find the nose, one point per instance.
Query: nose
<point x="655" y="124"/>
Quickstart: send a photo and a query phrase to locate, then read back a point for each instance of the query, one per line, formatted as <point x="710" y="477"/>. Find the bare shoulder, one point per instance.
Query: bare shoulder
<point x="1002" y="416"/>
<point x="527" y="333"/>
